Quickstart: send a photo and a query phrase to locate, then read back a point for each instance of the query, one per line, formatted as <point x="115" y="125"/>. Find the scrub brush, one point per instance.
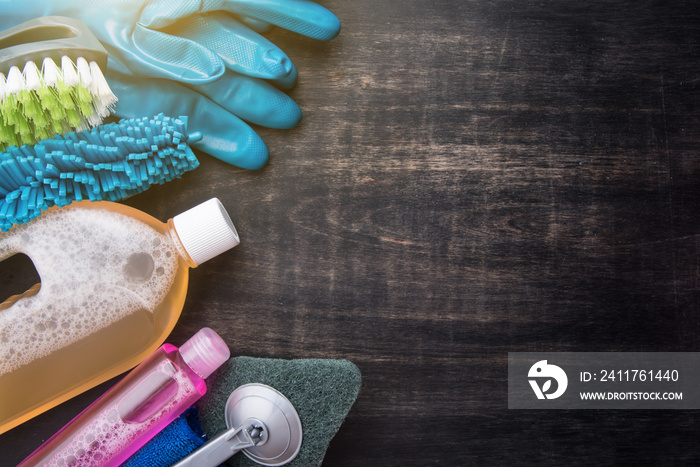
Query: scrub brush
<point x="37" y="103"/>
<point x="110" y="162"/>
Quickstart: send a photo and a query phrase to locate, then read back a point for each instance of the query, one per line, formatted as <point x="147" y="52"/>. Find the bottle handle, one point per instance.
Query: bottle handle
<point x="8" y="245"/>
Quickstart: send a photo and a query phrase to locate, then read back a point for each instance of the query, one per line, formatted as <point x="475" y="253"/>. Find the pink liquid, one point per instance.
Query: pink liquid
<point x="126" y="417"/>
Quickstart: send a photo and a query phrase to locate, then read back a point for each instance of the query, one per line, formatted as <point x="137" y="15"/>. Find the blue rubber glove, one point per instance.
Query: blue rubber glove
<point x="201" y="58"/>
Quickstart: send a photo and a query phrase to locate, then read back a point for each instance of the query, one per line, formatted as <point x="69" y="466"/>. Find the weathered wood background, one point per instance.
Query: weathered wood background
<point x="470" y="178"/>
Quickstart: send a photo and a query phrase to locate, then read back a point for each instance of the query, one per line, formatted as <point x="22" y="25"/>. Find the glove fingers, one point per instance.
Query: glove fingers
<point x="301" y="16"/>
<point x="253" y="100"/>
<point x="255" y="24"/>
<point x="230" y="140"/>
<point x="156" y="54"/>
<point x="288" y="82"/>
<point x="242" y="49"/>
<point x="225" y="136"/>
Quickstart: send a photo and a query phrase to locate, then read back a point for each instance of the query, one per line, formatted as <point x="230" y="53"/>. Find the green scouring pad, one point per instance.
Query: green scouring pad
<point x="321" y="391"/>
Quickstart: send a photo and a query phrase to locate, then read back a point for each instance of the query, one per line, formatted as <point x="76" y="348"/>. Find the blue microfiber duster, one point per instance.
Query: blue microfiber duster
<point x="110" y="162"/>
<point x="176" y="441"/>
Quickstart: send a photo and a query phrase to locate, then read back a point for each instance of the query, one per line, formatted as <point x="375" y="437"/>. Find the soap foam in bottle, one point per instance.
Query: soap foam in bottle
<point x="113" y="284"/>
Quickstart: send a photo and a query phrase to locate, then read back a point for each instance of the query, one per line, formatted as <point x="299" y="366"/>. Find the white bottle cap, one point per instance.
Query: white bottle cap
<point x="206" y="231"/>
<point x="205" y="352"/>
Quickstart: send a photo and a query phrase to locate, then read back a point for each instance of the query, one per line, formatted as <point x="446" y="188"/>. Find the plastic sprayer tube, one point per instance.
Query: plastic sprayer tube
<point x="123" y="419"/>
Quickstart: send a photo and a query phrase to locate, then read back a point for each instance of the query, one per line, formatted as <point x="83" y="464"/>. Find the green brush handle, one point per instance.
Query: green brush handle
<point x="49" y="36"/>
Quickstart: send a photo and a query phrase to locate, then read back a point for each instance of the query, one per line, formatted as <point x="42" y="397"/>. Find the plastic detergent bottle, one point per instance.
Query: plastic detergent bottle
<point x="137" y="408"/>
<point x="113" y="284"/>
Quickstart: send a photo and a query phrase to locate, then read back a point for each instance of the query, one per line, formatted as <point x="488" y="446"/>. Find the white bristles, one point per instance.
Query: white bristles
<point x="100" y="86"/>
<point x="84" y="72"/>
<point x="15" y="81"/>
<point x="51" y="72"/>
<point x="70" y="74"/>
<point x="31" y="76"/>
<point x="36" y="103"/>
<point x="101" y="89"/>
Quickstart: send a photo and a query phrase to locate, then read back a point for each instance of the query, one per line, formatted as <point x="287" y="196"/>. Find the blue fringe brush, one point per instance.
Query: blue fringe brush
<point x="109" y="162"/>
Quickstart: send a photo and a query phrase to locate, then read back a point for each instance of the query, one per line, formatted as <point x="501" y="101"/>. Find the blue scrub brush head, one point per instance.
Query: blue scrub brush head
<point x="109" y="162"/>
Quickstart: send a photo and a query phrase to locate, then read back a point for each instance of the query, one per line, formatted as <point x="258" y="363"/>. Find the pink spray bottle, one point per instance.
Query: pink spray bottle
<point x="139" y="406"/>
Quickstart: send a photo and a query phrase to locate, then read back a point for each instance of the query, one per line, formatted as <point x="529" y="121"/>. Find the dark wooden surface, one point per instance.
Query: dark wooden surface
<point x="470" y="178"/>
